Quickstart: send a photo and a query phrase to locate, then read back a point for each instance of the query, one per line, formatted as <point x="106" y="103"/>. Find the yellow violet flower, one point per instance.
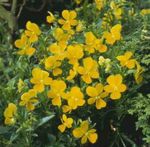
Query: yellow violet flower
<point x="9" y="114"/>
<point x="40" y="79"/>
<point x="69" y="19"/>
<point x="66" y="123"/>
<point x="29" y="99"/>
<point x="138" y="74"/>
<point x="57" y="92"/>
<point x="116" y="10"/>
<point x="58" y="50"/>
<point x="125" y="60"/>
<point x="20" y="85"/>
<point x="32" y="31"/>
<point x="89" y="70"/>
<point x="73" y="72"/>
<point x="25" y="46"/>
<point x="78" y="1"/>
<point x="74" y="53"/>
<point x="115" y="87"/>
<point x="96" y="95"/>
<point x="145" y="12"/>
<point x="92" y="43"/>
<point x="61" y="36"/>
<point x="50" y="19"/>
<point x="75" y="98"/>
<point x="85" y="133"/>
<point x="51" y="63"/>
<point x="114" y="34"/>
<point x="99" y="4"/>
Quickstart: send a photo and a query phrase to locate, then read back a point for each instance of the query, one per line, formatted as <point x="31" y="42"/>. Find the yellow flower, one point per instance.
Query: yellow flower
<point x="96" y="95"/>
<point x="115" y="86"/>
<point x="138" y="77"/>
<point x="61" y="36"/>
<point x="78" y="1"/>
<point x="9" y="114"/>
<point x="116" y="10"/>
<point x="145" y="12"/>
<point x="57" y="92"/>
<point x="69" y="19"/>
<point x="99" y="4"/>
<point x="114" y="34"/>
<point x="92" y="43"/>
<point x="66" y="108"/>
<point x="58" y="50"/>
<point x="51" y="63"/>
<point x="50" y="18"/>
<point x="66" y="123"/>
<point x="29" y="100"/>
<point x="73" y="72"/>
<point x="89" y="70"/>
<point x="20" y="85"/>
<point x="85" y="133"/>
<point x="32" y="31"/>
<point x="25" y="46"/>
<point x="40" y="79"/>
<point x="74" y="53"/>
<point x="125" y="60"/>
<point x="75" y="98"/>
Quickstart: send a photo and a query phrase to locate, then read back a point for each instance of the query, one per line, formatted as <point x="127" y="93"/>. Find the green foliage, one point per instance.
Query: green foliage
<point x="140" y="108"/>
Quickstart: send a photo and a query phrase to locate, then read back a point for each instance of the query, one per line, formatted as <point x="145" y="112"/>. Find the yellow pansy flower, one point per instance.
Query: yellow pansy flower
<point x="89" y="70"/>
<point x="61" y="36"/>
<point x="58" y="50"/>
<point x="69" y="19"/>
<point x="9" y="114"/>
<point x="57" y="92"/>
<point x="138" y="74"/>
<point x="96" y="95"/>
<point x="51" y="63"/>
<point x="66" y="108"/>
<point x="85" y="133"/>
<point x="145" y="12"/>
<point x="66" y="123"/>
<point x="25" y="46"/>
<point x="114" y="34"/>
<point x="73" y="72"/>
<point x="115" y="87"/>
<point x="32" y="31"/>
<point x="20" y="85"/>
<point x="50" y="18"/>
<point x="99" y="4"/>
<point x="29" y="100"/>
<point x="75" y="98"/>
<point x="40" y="79"/>
<point x="125" y="60"/>
<point x="92" y="43"/>
<point x="74" y="53"/>
<point x="116" y="10"/>
<point x="78" y="1"/>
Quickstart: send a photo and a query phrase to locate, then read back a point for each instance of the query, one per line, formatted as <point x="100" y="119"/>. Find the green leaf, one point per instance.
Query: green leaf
<point x="44" y="120"/>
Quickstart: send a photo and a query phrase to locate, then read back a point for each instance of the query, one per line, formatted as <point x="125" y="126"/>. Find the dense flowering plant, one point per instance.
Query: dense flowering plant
<point x="75" y="68"/>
